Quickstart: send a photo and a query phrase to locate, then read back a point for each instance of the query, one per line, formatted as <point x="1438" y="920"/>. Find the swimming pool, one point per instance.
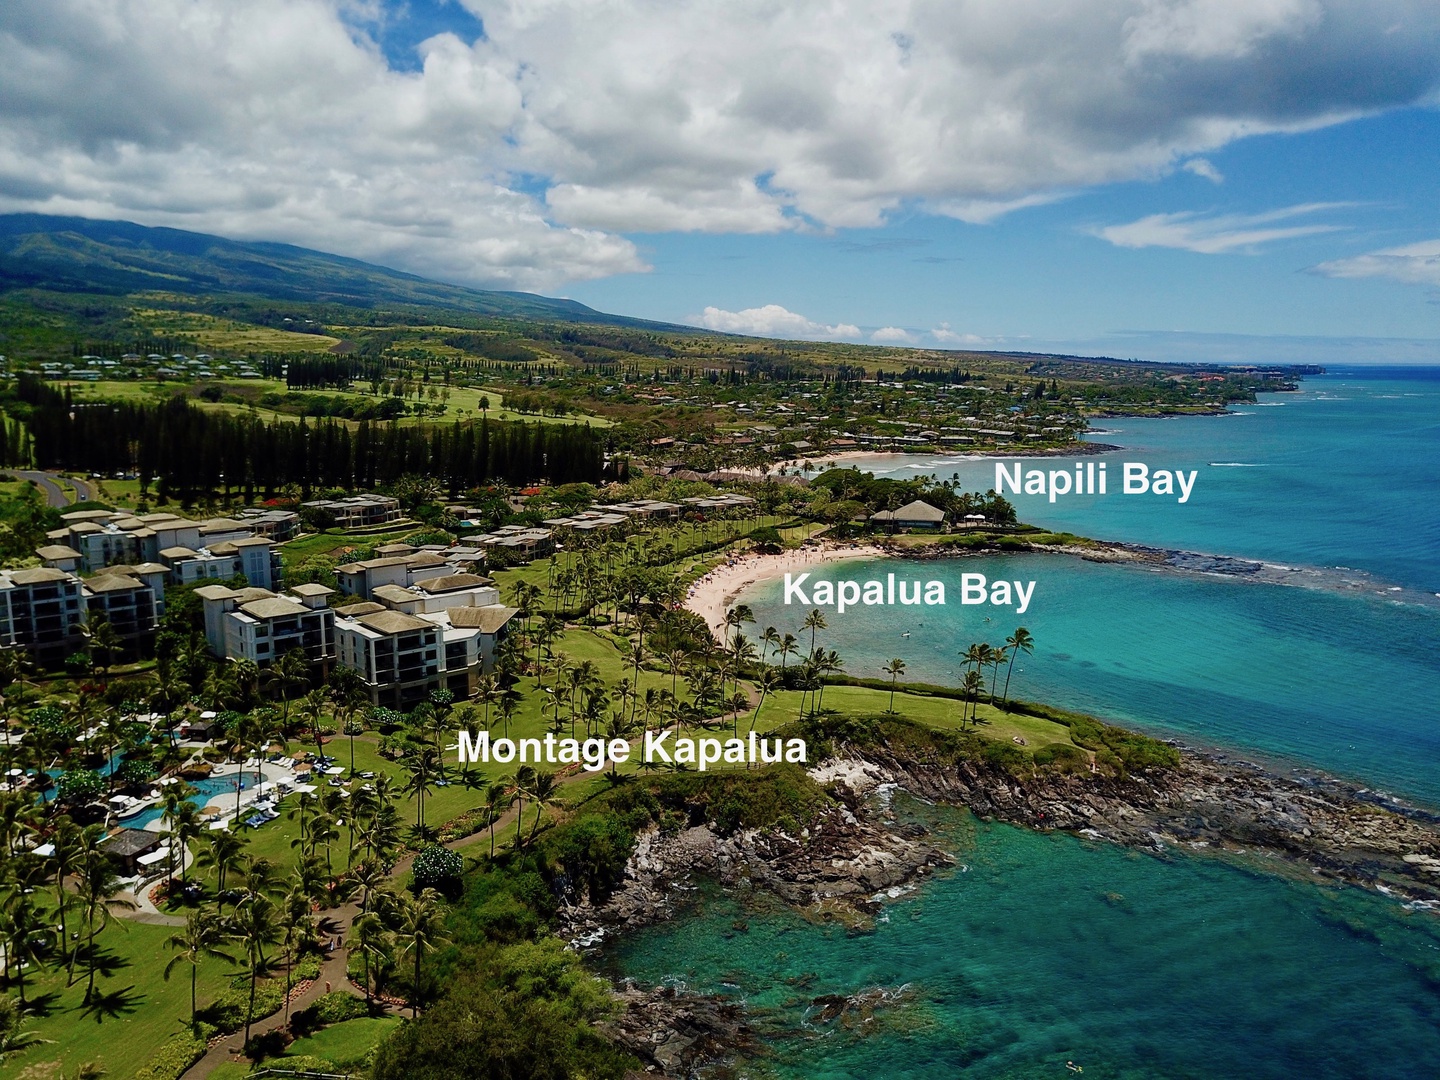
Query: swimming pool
<point x="205" y="790"/>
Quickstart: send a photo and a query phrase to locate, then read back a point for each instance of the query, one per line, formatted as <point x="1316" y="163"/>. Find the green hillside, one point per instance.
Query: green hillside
<point x="68" y="254"/>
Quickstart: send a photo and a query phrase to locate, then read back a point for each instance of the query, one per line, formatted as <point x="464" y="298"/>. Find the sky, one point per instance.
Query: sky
<point x="1232" y="180"/>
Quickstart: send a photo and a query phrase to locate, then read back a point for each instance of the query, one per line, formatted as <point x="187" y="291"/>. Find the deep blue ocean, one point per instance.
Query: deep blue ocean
<point x="1129" y="965"/>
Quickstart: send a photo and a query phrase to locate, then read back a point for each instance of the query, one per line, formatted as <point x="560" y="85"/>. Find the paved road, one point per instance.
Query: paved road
<point x="56" y="493"/>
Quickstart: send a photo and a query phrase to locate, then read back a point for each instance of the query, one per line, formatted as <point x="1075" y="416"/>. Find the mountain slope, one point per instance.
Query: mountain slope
<point x="82" y="255"/>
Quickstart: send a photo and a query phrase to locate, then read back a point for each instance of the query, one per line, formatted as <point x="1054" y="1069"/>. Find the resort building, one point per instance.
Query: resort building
<point x="442" y="632"/>
<point x="258" y="625"/>
<point x="361" y="579"/>
<point x="129" y="605"/>
<point x="42" y="610"/>
<point x="218" y="548"/>
<point x="916" y="515"/>
<point x="358" y="511"/>
<point x="400" y="657"/>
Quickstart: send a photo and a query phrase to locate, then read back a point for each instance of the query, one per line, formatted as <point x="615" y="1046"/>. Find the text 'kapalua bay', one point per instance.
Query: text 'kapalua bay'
<point x="974" y="589"/>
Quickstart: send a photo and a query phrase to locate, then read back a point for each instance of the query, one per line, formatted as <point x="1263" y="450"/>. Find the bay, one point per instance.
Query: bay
<point x="1048" y="949"/>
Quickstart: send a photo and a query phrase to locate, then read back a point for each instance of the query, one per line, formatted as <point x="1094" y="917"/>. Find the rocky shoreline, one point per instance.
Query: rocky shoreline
<point x="854" y="858"/>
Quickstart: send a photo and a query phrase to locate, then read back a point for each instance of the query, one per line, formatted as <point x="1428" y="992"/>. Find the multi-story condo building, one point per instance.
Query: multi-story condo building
<point x="255" y="624"/>
<point x="359" y="511"/>
<point x="42" y="610"/>
<point x="92" y="540"/>
<point x="129" y="605"/>
<point x="400" y="657"/>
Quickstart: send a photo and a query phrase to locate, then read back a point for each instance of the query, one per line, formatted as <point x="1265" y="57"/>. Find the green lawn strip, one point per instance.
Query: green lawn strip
<point x="345" y="1043"/>
<point x="146" y="1008"/>
<point x="294" y="551"/>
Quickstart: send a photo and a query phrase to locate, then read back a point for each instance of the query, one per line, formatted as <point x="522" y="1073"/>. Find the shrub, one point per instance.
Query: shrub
<point x="227" y="1012"/>
<point x="437" y="867"/>
<point x="80" y="785"/>
<point x="593" y="852"/>
<point x="173" y="1058"/>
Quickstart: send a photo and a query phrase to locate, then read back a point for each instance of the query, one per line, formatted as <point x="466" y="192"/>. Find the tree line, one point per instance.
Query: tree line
<point x="189" y="452"/>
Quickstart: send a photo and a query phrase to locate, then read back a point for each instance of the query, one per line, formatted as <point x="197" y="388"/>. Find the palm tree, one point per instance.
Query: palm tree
<point x="894" y="669"/>
<point x="421" y="930"/>
<point x="289" y="673"/>
<point x="299" y="931"/>
<point x="223" y="853"/>
<point x="487" y="689"/>
<point x="813" y="622"/>
<point x="788" y="647"/>
<point x="63" y="862"/>
<point x="997" y="657"/>
<point x="23" y="929"/>
<point x="96" y="886"/>
<point x="14" y="1036"/>
<point x="105" y="642"/>
<point x="305" y="801"/>
<point x="203" y="936"/>
<point x="421" y="764"/>
<point x="312" y="707"/>
<point x="368" y="935"/>
<point x="498" y="798"/>
<point x="1020" y="641"/>
<point x="255" y="925"/>
<point x="185" y="825"/>
<point x="543" y="792"/>
<point x="769" y="683"/>
<point x="768" y="640"/>
<point x="973" y="685"/>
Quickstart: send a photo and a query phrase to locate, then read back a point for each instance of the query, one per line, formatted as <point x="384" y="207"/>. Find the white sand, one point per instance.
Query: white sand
<point x="712" y="595"/>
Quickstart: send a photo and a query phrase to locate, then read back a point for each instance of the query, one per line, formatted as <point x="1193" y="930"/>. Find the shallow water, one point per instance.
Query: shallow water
<point x="1341" y="674"/>
<point x="1050" y="949"/>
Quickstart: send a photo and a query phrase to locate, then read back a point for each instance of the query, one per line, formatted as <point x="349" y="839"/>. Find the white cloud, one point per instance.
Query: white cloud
<point x="1215" y="234"/>
<point x="772" y="320"/>
<point x="892" y="335"/>
<point x="984" y="211"/>
<point x="516" y="159"/>
<point x="1414" y="264"/>
<point x="947" y="336"/>
<point x="1204" y="167"/>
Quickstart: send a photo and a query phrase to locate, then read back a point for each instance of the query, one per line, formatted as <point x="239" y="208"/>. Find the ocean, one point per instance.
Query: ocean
<point x="1042" y="949"/>
<point x="1046" y="949"/>
<point x="1339" y="673"/>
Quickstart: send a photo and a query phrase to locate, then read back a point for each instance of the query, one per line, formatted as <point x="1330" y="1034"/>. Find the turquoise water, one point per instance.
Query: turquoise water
<point x="1342" y="473"/>
<point x="1051" y="950"/>
<point x="205" y="790"/>
<point x="1336" y="681"/>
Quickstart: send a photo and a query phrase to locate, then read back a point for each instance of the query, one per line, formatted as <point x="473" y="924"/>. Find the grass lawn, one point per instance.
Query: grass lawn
<point x="221" y="335"/>
<point x="294" y="551"/>
<point x="140" y="1009"/>
<point x="345" y="1044"/>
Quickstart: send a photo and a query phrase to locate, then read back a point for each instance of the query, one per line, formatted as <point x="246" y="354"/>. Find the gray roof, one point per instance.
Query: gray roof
<point x="451" y="583"/>
<point x="39" y="575"/>
<point x="394" y="622"/>
<point x="57" y="551"/>
<point x="128" y="843"/>
<point x="274" y="607"/>
<point x="113" y="583"/>
<point x="487" y="619"/>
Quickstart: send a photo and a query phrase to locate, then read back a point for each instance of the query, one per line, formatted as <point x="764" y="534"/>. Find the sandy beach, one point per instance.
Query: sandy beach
<point x="711" y="596"/>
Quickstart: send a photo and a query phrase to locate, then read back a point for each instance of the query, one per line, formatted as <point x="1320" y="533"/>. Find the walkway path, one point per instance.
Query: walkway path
<point x="332" y="977"/>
